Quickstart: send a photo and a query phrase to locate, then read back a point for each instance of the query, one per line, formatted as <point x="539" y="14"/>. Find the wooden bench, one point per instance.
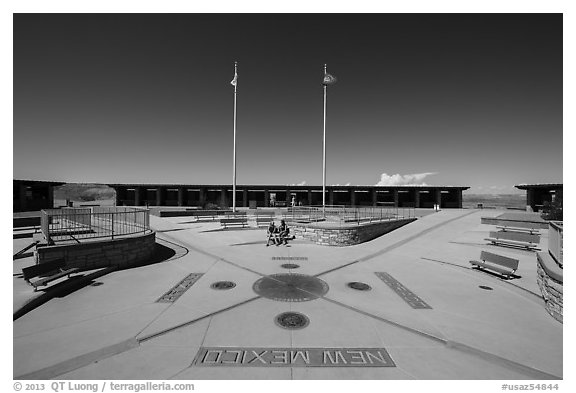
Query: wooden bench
<point x="498" y="263"/>
<point x="231" y="214"/>
<point x="263" y="219"/>
<point x="209" y="214"/>
<point x="49" y="271"/>
<point x="234" y="222"/>
<point x="515" y="239"/>
<point x="532" y="231"/>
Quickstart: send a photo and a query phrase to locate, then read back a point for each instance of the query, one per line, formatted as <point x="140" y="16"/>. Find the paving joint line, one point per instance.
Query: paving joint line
<point x="174" y="302"/>
<point x="86" y="359"/>
<point x="238" y="266"/>
<point x="188" y="323"/>
<point x="511" y="364"/>
<point x="79" y="361"/>
<point x="127" y="309"/>
<point x="382" y="319"/>
<point x="193" y="359"/>
<point x="458" y="346"/>
<point x="219" y="258"/>
<point x="539" y="297"/>
<point x="395" y="245"/>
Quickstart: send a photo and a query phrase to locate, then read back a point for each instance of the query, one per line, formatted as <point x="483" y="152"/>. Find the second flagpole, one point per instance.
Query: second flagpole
<point x="324" y="155"/>
<point x="234" y="154"/>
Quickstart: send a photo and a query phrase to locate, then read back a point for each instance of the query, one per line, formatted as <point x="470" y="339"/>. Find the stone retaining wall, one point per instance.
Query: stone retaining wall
<point x="124" y="253"/>
<point x="346" y="235"/>
<point x="550" y="281"/>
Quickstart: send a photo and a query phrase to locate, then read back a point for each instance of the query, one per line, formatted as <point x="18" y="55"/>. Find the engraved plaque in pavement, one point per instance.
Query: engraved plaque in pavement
<point x="293" y="357"/>
<point x="178" y="290"/>
<point x="407" y="295"/>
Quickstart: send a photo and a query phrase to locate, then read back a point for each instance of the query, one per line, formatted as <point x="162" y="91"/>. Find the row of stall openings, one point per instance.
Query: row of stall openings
<point x="253" y="198"/>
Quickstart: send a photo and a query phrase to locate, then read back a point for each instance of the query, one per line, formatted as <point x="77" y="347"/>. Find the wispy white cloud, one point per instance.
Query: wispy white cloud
<point x="302" y="183"/>
<point x="413" y="179"/>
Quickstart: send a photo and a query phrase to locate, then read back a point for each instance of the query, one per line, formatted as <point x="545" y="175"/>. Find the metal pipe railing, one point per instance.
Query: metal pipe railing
<point x="342" y="215"/>
<point x="555" y="241"/>
<point x="88" y="223"/>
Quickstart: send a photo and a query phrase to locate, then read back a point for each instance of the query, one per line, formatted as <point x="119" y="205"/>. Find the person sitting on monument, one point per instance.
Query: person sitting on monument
<point x="284" y="233"/>
<point x="272" y="234"/>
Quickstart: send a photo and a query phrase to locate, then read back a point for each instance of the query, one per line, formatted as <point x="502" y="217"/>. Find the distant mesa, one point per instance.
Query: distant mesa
<point x="84" y="192"/>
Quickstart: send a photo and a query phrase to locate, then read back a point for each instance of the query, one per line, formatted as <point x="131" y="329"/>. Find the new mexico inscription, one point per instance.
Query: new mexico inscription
<point x="293" y="357"/>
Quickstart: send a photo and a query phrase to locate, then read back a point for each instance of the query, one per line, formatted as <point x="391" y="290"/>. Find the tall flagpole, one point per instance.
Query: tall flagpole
<point x="234" y="165"/>
<point x="324" y="154"/>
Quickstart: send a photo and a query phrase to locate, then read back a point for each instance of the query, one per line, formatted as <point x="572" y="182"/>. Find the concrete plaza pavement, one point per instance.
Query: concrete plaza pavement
<point x="118" y="330"/>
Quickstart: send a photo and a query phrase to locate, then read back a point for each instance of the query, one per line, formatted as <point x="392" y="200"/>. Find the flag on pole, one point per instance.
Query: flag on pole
<point x="329" y="79"/>
<point x="234" y="81"/>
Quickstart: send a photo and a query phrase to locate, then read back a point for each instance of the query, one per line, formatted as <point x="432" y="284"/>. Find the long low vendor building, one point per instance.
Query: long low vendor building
<point x="35" y="195"/>
<point x="277" y="195"/>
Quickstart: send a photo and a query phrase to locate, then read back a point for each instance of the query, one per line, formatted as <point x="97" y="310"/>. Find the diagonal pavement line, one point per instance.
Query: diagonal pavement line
<point x="236" y="265"/>
<point x="199" y="250"/>
<point x="127" y="309"/>
<point x="228" y="262"/>
<point x="187" y="323"/>
<point x="173" y="303"/>
<point x="511" y="364"/>
<point x="194" y="358"/>
<point x="538" y="297"/>
<point x="80" y="361"/>
<point x="105" y="352"/>
<point x="388" y="321"/>
<point x="397" y="244"/>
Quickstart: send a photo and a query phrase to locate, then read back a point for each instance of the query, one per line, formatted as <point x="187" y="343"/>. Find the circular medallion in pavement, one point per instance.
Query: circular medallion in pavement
<point x="292" y="320"/>
<point x="223" y="285"/>
<point x="290" y="287"/>
<point x="360" y="286"/>
<point x="485" y="287"/>
<point x="290" y="266"/>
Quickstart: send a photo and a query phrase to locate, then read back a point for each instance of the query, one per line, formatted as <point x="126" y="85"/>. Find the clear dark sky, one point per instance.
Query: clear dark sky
<point x="473" y="100"/>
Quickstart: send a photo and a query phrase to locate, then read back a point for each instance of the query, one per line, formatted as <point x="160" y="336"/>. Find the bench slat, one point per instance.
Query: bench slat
<point x="522" y="224"/>
<point x="511" y="263"/>
<point x="505" y="228"/>
<point x="497" y="268"/>
<point x="46" y="280"/>
<point x="233" y="220"/>
<point x="225" y="222"/>
<point x="528" y="246"/>
<point x="42" y="268"/>
<point x="516" y="236"/>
